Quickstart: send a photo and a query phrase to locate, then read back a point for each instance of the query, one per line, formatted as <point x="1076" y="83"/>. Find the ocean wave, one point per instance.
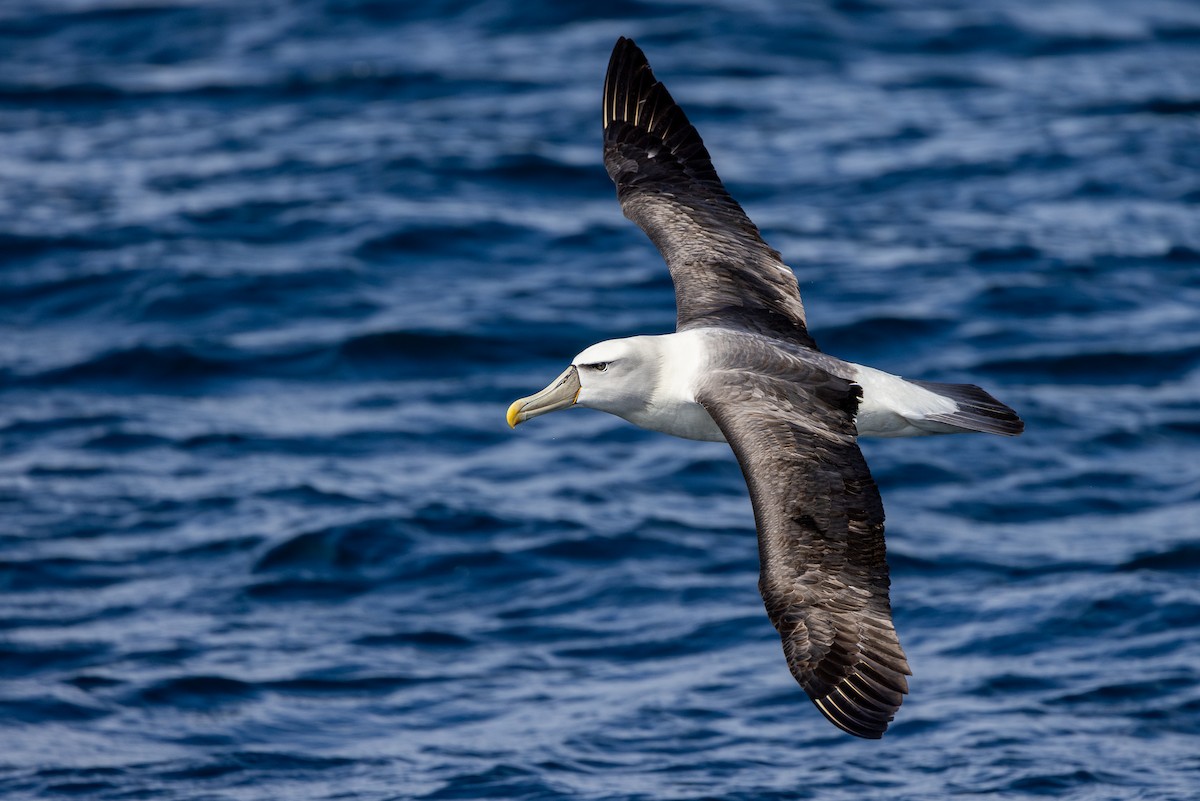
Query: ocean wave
<point x="270" y="275"/>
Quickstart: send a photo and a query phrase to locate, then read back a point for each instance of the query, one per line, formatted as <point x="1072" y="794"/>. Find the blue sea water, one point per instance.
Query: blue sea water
<point x="270" y="273"/>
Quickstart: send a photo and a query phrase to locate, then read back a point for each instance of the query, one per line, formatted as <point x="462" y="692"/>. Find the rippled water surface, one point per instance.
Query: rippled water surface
<point x="270" y="274"/>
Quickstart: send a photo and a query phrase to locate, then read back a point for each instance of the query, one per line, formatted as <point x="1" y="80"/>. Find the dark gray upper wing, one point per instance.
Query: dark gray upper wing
<point x="824" y="577"/>
<point x="724" y="274"/>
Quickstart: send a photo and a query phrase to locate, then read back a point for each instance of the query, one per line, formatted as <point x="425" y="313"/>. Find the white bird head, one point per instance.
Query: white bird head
<point x="615" y="376"/>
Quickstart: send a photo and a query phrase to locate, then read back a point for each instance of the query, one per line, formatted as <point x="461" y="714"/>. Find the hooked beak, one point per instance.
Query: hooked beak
<point x="561" y="393"/>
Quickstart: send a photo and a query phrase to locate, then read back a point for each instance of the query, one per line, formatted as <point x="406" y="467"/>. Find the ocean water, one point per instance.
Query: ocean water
<point x="271" y="272"/>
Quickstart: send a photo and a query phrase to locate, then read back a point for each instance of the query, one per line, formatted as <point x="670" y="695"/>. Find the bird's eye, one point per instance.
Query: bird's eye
<point x="599" y="367"/>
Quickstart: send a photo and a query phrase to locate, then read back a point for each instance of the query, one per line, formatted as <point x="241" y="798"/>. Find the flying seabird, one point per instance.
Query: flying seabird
<point x="742" y="368"/>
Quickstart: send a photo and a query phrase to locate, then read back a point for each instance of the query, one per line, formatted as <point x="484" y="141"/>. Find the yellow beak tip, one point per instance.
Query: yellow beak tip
<point x="514" y="412"/>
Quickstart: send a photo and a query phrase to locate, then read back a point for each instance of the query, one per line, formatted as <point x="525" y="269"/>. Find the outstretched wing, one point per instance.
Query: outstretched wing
<point x="725" y="275"/>
<point x="824" y="576"/>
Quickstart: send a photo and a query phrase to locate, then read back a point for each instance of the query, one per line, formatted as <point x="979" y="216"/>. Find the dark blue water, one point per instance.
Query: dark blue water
<point x="271" y="273"/>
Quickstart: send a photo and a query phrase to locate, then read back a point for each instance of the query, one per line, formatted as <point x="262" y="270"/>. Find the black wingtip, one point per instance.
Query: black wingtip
<point x="865" y="701"/>
<point x="855" y="714"/>
<point x="628" y="75"/>
<point x="639" y="109"/>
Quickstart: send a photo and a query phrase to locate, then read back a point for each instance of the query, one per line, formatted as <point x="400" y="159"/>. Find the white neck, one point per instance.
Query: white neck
<point x="674" y="363"/>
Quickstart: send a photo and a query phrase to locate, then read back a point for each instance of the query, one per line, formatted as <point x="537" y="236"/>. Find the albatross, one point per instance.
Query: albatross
<point x="742" y="368"/>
